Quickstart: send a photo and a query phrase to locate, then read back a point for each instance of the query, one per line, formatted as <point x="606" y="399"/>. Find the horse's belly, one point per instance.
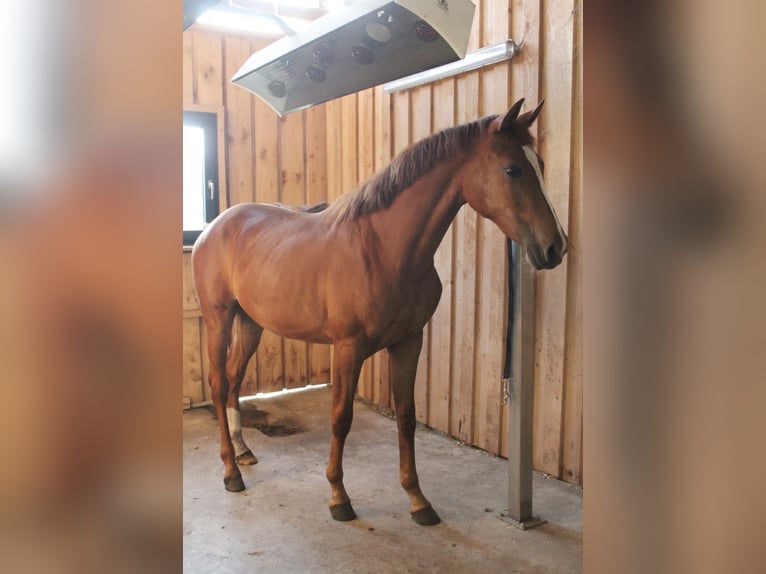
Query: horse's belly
<point x="287" y="312"/>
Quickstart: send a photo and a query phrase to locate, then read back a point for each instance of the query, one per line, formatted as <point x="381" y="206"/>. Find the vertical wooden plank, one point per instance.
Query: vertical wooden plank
<point x="316" y="154"/>
<point x="267" y="177"/>
<point x="316" y="190"/>
<point x="400" y="121"/>
<point x="292" y="159"/>
<point x="239" y="124"/>
<point x="440" y="352"/>
<point x="295" y="363"/>
<point x="382" y="389"/>
<point x="555" y="137"/>
<point x="349" y="159"/>
<point x="188" y="70"/>
<point x="382" y="130"/>
<point x="524" y="84"/>
<point x="189" y="294"/>
<point x="334" y="151"/>
<point x="192" y="366"/>
<point x="463" y="388"/>
<point x="492" y="261"/>
<point x="366" y="143"/>
<point x="208" y="64"/>
<point x="293" y="192"/>
<point x="571" y="452"/>
<point x="420" y="118"/>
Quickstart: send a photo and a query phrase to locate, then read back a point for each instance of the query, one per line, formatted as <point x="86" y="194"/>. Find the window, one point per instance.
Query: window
<point x="200" y="184"/>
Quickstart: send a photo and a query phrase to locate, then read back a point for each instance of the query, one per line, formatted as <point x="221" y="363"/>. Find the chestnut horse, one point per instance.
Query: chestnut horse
<point x="359" y="273"/>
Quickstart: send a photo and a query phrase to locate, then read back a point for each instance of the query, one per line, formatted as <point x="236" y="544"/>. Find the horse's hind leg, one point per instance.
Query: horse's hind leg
<point x="347" y="364"/>
<point x="246" y="334"/>
<point x="403" y="363"/>
<point x="219" y="318"/>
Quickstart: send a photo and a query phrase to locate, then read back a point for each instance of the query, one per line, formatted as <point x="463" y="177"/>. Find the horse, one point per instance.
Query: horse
<point x="358" y="273"/>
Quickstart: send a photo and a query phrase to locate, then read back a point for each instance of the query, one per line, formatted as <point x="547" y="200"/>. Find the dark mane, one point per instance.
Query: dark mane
<point x="380" y="191"/>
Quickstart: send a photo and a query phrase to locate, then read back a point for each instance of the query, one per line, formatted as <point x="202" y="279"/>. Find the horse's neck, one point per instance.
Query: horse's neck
<point x="412" y="228"/>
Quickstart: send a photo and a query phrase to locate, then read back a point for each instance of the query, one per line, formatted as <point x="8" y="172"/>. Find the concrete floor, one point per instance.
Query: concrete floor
<point x="281" y="523"/>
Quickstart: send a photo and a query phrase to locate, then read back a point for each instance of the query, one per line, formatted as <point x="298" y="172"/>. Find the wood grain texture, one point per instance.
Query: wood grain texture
<point x="555" y="140"/>
<point x="193" y="381"/>
<point x="334" y="150"/>
<point x="239" y="125"/>
<point x="292" y="159"/>
<point x="208" y="68"/>
<point x="571" y="449"/>
<point x="316" y="154"/>
<point x="189" y="294"/>
<point x="465" y="245"/>
<point x="349" y="141"/>
<point x="188" y="68"/>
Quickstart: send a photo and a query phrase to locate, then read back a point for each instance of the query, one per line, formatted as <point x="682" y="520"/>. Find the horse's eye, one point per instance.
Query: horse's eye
<point x="513" y="171"/>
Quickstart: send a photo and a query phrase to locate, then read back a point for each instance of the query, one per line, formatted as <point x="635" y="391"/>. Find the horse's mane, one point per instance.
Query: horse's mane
<point x="380" y="191"/>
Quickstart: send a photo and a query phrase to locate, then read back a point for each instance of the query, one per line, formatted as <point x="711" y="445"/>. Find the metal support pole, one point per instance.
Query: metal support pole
<point x="521" y="396"/>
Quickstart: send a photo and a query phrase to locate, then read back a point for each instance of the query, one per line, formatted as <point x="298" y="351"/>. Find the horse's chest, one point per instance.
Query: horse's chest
<point x="405" y="308"/>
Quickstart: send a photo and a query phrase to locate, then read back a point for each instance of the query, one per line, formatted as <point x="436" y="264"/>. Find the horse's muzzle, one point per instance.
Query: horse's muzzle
<point x="549" y="257"/>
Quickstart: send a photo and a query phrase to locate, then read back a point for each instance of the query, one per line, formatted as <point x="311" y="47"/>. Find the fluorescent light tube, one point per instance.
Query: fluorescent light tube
<point x="472" y="61"/>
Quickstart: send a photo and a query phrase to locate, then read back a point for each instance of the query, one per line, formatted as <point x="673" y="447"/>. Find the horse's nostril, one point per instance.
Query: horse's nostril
<point x="554" y="252"/>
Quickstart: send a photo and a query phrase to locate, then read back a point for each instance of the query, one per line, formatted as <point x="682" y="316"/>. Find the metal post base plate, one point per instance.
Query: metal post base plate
<point x="524" y="524"/>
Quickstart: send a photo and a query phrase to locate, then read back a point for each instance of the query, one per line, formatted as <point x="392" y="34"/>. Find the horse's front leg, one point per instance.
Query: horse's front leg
<point x="347" y="364"/>
<point x="403" y="363"/>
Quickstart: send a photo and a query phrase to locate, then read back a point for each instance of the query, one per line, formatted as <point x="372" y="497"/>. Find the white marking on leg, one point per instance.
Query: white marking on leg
<point x="532" y="159"/>
<point x="235" y="431"/>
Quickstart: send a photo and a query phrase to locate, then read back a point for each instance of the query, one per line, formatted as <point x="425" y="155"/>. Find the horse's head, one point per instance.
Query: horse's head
<point x="505" y="185"/>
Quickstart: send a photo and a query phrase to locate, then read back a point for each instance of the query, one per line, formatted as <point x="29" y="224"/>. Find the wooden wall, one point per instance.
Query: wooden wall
<point x="459" y="375"/>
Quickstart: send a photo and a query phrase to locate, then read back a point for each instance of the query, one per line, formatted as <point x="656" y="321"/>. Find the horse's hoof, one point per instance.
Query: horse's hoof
<point x="426" y="516"/>
<point x="247" y="457"/>
<point x="343" y="512"/>
<point x="234" y="483"/>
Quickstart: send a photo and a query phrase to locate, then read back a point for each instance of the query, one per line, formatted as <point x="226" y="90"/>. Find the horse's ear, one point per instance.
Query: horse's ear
<point x="511" y="116"/>
<point x="530" y="117"/>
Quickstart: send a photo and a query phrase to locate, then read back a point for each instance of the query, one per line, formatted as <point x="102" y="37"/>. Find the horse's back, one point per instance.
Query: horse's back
<point x="216" y="252"/>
